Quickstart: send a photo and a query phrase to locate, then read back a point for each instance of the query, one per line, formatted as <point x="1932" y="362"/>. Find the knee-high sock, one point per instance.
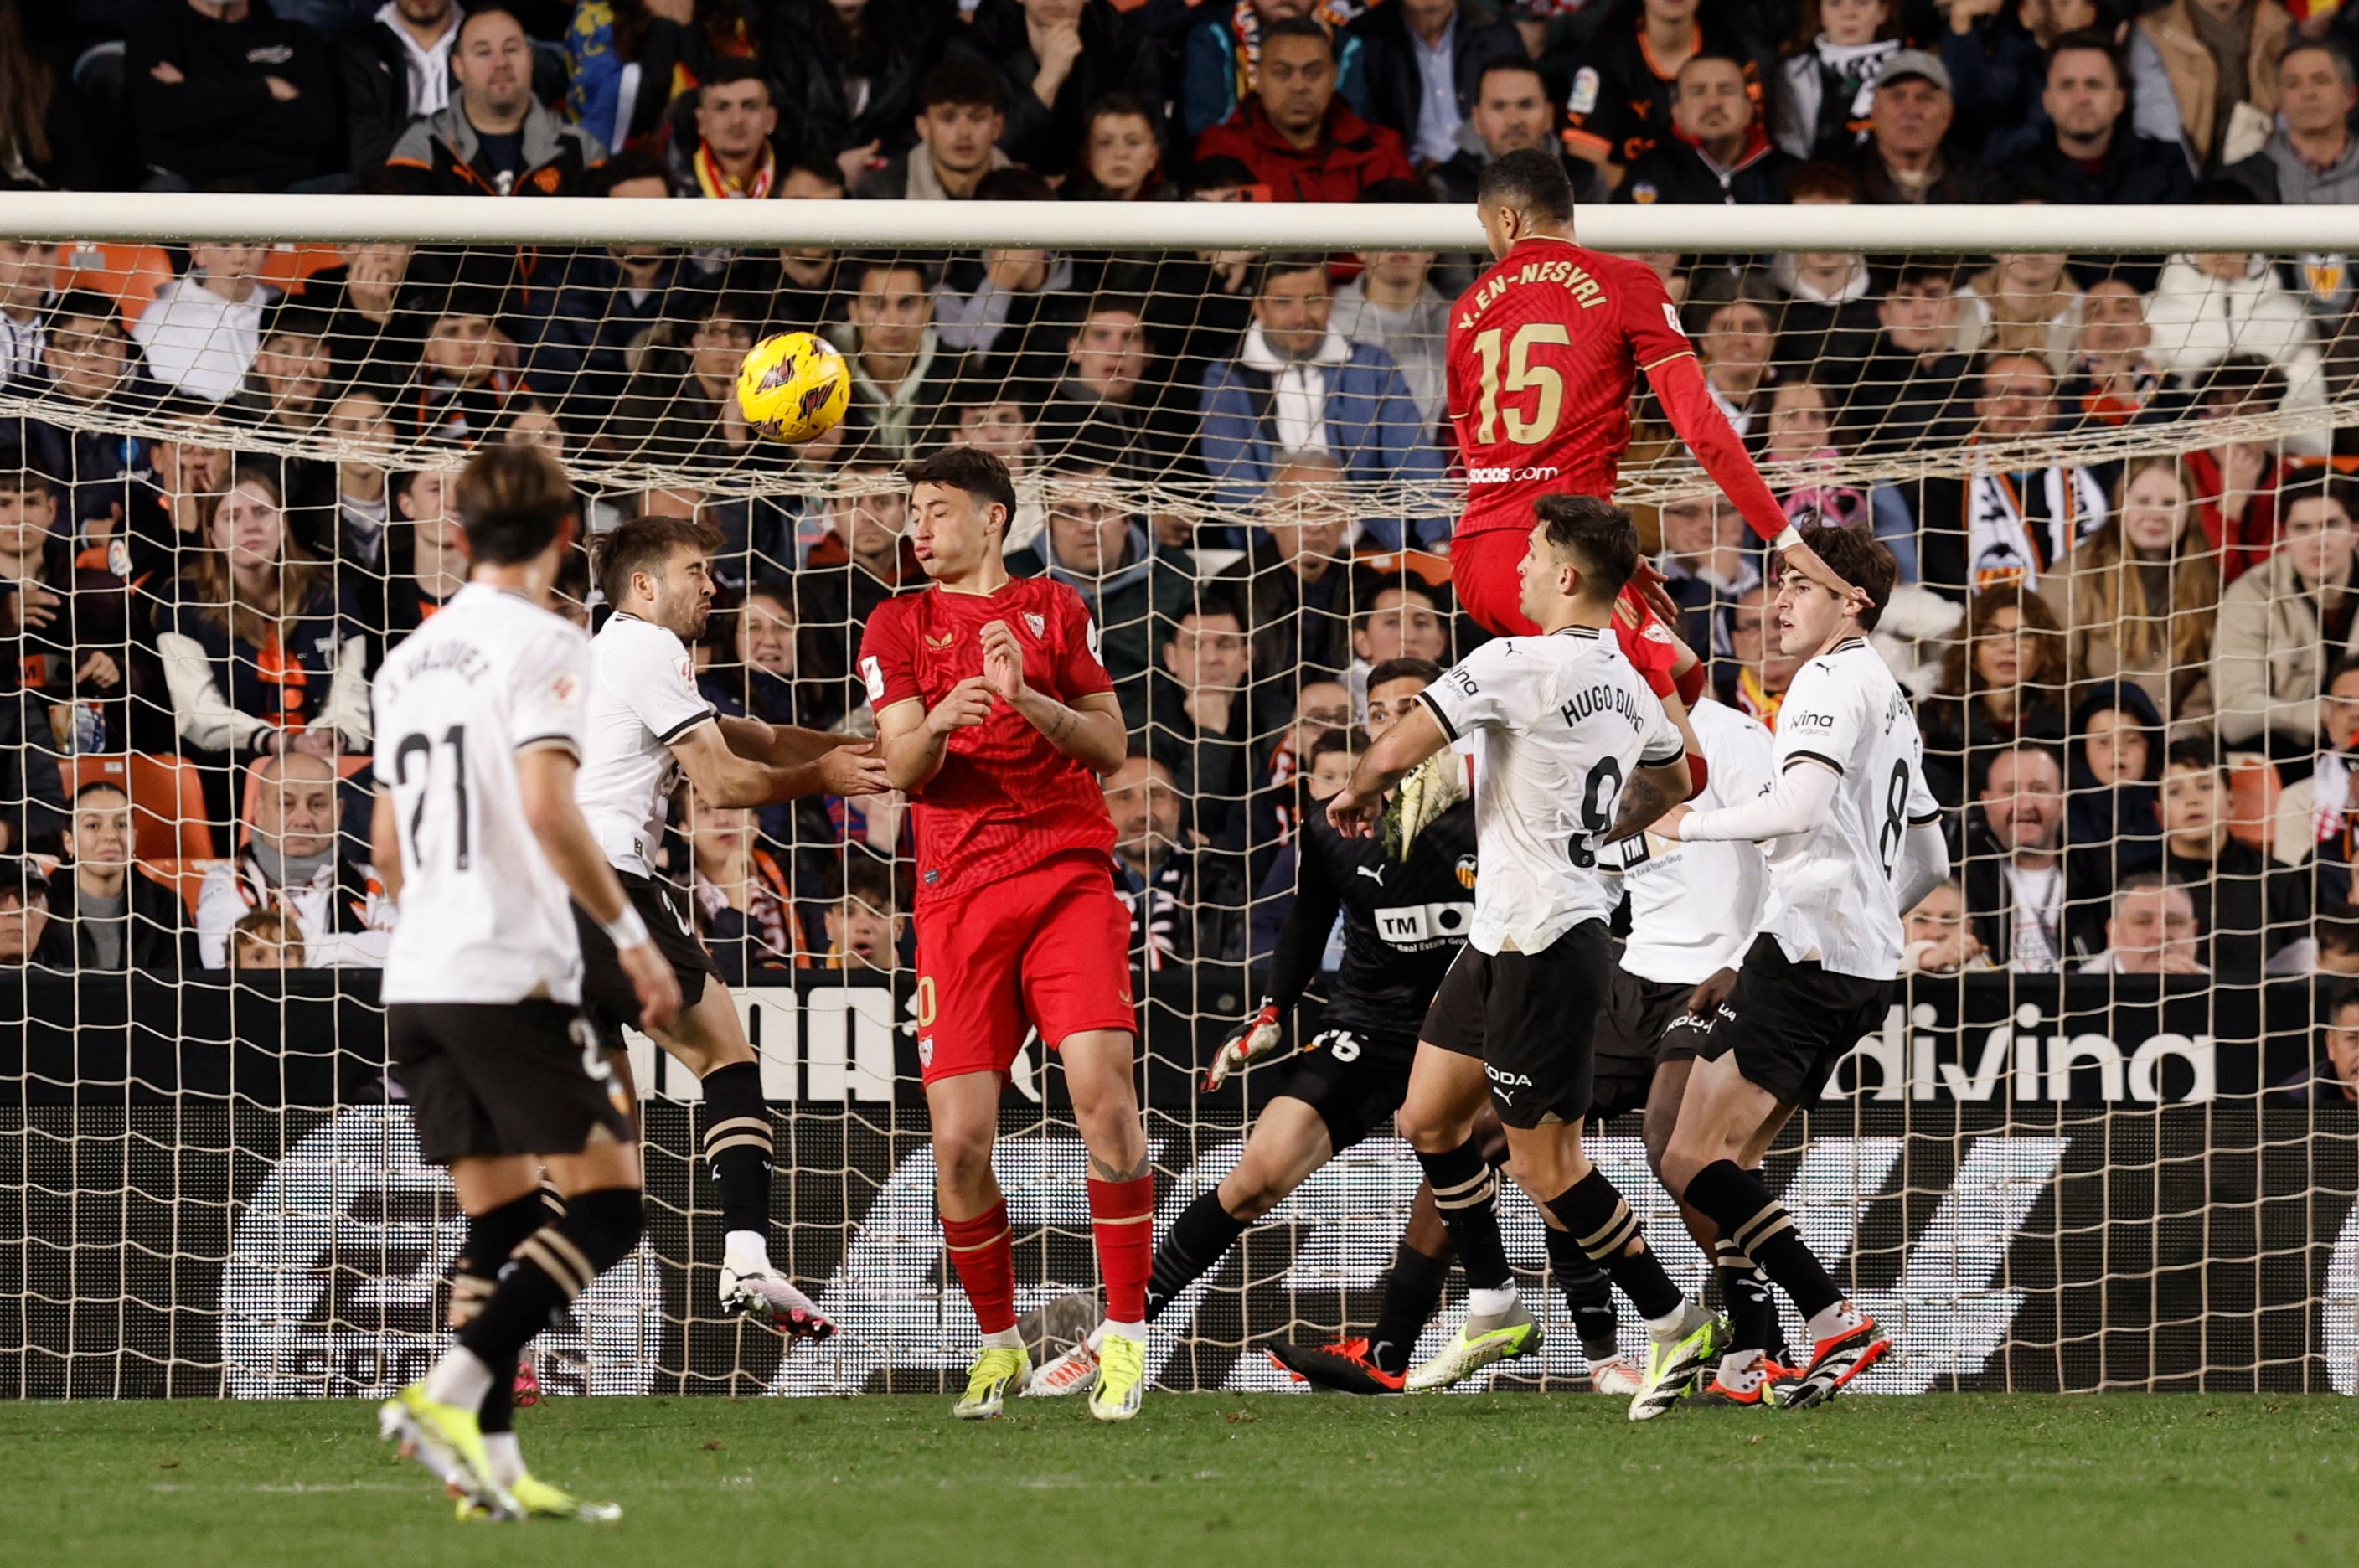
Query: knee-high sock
<point x="1758" y="1223"/>
<point x="1466" y="1191"/>
<point x="1603" y="1226"/>
<point x="982" y="1250"/>
<point x="1752" y="1312"/>
<point x="1412" y="1291"/>
<point x="738" y="1150"/>
<point x="1122" y="1219"/>
<point x="1197" y="1241"/>
<point x="491" y="1236"/>
<point x="1588" y="1295"/>
<point x="553" y="1266"/>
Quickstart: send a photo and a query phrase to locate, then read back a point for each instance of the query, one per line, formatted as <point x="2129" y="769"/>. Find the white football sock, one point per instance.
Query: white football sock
<point x="460" y="1378"/>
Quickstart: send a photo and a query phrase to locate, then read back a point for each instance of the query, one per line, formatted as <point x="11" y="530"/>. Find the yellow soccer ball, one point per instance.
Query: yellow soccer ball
<point x="793" y="387"/>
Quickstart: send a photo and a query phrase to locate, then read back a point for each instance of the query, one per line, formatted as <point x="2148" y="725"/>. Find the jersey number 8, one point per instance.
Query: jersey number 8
<point x="1522" y="376"/>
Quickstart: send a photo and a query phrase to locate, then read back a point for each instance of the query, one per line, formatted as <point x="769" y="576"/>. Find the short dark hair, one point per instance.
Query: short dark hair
<point x="980" y="474"/>
<point x="83" y="305"/>
<point x="959" y="79"/>
<point x="644" y="542"/>
<point x="513" y="501"/>
<point x="1598" y="533"/>
<point x="728" y="73"/>
<point x="477" y="13"/>
<point x="1862" y="560"/>
<point x="1824" y="181"/>
<point x="2323" y="485"/>
<point x="2202" y="755"/>
<point x="2346" y="665"/>
<point x="2088" y="41"/>
<point x="1351" y="743"/>
<point x="114" y="786"/>
<point x="631" y="163"/>
<point x="870" y="880"/>
<point x="855" y="269"/>
<point x="2345" y="995"/>
<point x="1218" y="174"/>
<point x="1299" y="27"/>
<point x="293" y="319"/>
<point x="1530" y="178"/>
<point x="2337" y="928"/>
<point x="1283" y="263"/>
<point x="1518" y="64"/>
<point x="16" y="480"/>
<point x="1404" y="669"/>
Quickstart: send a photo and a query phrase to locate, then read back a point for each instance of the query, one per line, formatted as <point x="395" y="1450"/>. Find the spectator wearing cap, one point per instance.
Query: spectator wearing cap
<point x="1717" y="150"/>
<point x="1620" y="105"/>
<point x="201" y="336"/>
<point x="1095" y="546"/>
<point x="116" y="919"/>
<point x="1904" y="160"/>
<point x="30" y="938"/>
<point x="2089" y="153"/>
<point x="493" y="138"/>
<point x="736" y="153"/>
<point x="1299" y="386"/>
<point x="394" y="68"/>
<point x="1422" y="68"/>
<point x="1223" y="60"/>
<point x="959" y="124"/>
<point x="2311" y="157"/>
<point x="899" y="365"/>
<point x="224" y="95"/>
<point x="1296" y="135"/>
<point x="2222" y="59"/>
<point x="1055" y="58"/>
<point x="1511" y="110"/>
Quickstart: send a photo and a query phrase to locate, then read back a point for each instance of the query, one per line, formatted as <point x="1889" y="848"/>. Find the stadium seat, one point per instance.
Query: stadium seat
<point x="168" y="801"/>
<point x="130" y="274"/>
<point x="2253" y="789"/>
<point x="184" y="876"/>
<point x="290" y="267"/>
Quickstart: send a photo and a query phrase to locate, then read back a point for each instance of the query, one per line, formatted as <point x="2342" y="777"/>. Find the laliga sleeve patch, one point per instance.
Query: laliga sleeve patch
<point x="872" y="675"/>
<point x="1584" y="92"/>
<point x="1671" y="315"/>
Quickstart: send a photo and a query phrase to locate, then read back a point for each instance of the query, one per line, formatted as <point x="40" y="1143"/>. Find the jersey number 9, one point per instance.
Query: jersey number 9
<point x="1522" y="376"/>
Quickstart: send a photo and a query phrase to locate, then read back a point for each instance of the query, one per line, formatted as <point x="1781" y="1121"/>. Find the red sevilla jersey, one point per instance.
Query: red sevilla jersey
<point x="1544" y="351"/>
<point x="1006" y="800"/>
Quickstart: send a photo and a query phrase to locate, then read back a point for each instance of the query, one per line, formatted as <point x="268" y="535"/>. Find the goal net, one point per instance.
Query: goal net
<point x="2105" y="1137"/>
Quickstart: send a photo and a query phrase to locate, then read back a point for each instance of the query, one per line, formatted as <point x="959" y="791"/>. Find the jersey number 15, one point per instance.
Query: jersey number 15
<point x="1522" y="375"/>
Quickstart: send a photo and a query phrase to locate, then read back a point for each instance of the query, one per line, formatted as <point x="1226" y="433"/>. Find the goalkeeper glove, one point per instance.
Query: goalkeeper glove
<point x="1431" y="787"/>
<point x="1257" y="1039"/>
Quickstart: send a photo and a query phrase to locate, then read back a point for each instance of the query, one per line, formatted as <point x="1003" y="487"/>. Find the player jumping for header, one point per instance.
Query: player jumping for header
<point x="1856" y="840"/>
<point x="997" y="717"/>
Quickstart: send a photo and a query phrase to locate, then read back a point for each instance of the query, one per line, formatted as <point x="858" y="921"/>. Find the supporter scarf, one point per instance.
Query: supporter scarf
<point x="1851" y="68"/>
<point x="2329" y="797"/>
<point x="712" y="181"/>
<point x="1757" y="701"/>
<point x="768" y="911"/>
<point x="2015" y="532"/>
<point x="2112" y="408"/>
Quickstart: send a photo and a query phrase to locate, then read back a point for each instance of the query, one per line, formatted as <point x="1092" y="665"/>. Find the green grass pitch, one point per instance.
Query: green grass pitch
<point x="1222" y="1481"/>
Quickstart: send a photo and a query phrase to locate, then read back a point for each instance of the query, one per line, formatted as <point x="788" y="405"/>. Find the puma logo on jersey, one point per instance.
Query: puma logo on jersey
<point x="1374" y="873"/>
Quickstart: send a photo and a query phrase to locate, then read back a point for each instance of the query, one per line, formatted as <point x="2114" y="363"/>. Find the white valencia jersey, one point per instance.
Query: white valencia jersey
<point x="1559" y="724"/>
<point x="485" y="917"/>
<point x="1830" y="893"/>
<point x="643" y="697"/>
<point x="1694" y="907"/>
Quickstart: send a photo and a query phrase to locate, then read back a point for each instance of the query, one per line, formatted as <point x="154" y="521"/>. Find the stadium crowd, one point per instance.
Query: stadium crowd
<point x="2138" y="679"/>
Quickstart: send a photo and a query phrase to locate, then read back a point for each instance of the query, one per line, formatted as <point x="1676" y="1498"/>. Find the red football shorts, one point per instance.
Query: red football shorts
<point x="1048" y="949"/>
<point x="1483" y="575"/>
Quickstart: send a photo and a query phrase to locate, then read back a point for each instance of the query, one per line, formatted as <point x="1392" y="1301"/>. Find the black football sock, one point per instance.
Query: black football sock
<point x="1758" y="1225"/>
<point x="1197" y="1239"/>
<point x="1466" y="1191"/>
<point x="1588" y="1296"/>
<point x="737" y="1147"/>
<point x="550" y="1269"/>
<point x="1744" y="1291"/>
<point x="491" y="1236"/>
<point x="1412" y="1291"/>
<point x="1603" y="1226"/>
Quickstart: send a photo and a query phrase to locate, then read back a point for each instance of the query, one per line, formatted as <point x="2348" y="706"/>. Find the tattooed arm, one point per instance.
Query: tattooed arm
<point x="1650" y="792"/>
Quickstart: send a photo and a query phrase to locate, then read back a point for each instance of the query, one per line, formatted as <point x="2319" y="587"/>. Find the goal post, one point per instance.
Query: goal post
<point x="2094" y="1144"/>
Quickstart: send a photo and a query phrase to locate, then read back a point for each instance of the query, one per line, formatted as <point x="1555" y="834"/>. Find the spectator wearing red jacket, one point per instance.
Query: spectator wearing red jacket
<point x="1300" y="142"/>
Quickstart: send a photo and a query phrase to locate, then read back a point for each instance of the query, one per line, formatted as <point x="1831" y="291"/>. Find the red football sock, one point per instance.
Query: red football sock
<point x="982" y="1250"/>
<point x="1122" y="1216"/>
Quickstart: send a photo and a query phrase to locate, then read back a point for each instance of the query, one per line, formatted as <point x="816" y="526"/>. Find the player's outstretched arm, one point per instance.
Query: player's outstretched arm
<point x="545" y="779"/>
<point x="780" y="746"/>
<point x="1352" y="809"/>
<point x="1686" y="402"/>
<point x="1090" y="729"/>
<point x="1796" y="802"/>
<point x="724" y="777"/>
